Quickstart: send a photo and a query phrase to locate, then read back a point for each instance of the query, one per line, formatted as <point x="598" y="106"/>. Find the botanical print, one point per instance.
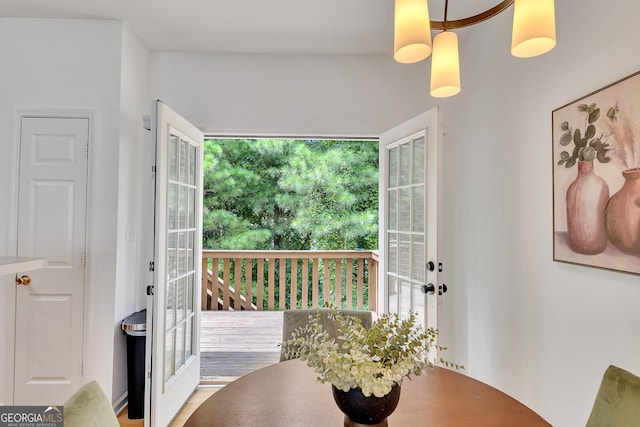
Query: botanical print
<point x="596" y="178"/>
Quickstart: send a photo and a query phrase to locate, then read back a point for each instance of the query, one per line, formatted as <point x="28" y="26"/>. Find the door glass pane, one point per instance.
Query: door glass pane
<point x="191" y="265"/>
<point x="405" y="165"/>
<point x="184" y="164"/>
<point x="393" y="209"/>
<point x="418" y="160"/>
<point x="182" y="253"/>
<point x="405" y="210"/>
<point x="172" y="256"/>
<point x="393" y="294"/>
<point x="192" y="207"/>
<point x="181" y="290"/>
<point x="183" y="207"/>
<point x="190" y="288"/>
<point x="169" y="346"/>
<point x="419" y="300"/>
<point x="180" y="345"/>
<point x="393" y="167"/>
<point x="180" y="299"/>
<point x="417" y="209"/>
<point x="406" y="213"/>
<point x="418" y="262"/>
<point x="392" y="250"/>
<point x="173" y="158"/>
<point x="192" y="165"/>
<point x="404" y="254"/>
<point x="405" y="298"/>
<point x="188" y="344"/>
<point x="172" y="207"/>
<point x="170" y="310"/>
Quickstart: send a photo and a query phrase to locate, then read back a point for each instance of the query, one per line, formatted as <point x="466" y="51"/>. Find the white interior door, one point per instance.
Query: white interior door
<point x="409" y="193"/>
<point x="52" y="200"/>
<point x="175" y="363"/>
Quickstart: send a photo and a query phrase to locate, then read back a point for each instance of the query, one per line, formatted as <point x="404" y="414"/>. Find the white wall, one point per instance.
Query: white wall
<point x="76" y="64"/>
<point x="541" y="331"/>
<point x="135" y="219"/>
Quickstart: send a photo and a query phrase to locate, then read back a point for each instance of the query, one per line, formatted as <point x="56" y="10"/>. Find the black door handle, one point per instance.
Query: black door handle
<point x="428" y="289"/>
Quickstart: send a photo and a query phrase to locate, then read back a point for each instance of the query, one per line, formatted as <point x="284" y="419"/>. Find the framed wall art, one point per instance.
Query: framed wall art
<point x="596" y="178"/>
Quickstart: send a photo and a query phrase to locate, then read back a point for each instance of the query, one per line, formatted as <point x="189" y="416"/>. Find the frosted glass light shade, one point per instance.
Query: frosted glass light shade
<point x="534" y="28"/>
<point x="445" y="65"/>
<point x="412" y="31"/>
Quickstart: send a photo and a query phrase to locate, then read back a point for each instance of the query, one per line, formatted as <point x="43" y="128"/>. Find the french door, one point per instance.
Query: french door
<point x="409" y="192"/>
<point x="175" y="354"/>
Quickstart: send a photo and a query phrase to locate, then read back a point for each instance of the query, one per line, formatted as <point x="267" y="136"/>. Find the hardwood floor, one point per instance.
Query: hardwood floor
<point x="201" y="394"/>
<point x="232" y="344"/>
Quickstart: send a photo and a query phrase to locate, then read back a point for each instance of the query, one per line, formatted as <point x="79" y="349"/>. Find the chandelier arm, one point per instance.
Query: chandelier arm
<point x="465" y="22"/>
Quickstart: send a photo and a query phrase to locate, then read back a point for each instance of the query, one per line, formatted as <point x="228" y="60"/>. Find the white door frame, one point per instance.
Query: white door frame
<point x="431" y="121"/>
<point x="169" y="394"/>
<point x="18" y="115"/>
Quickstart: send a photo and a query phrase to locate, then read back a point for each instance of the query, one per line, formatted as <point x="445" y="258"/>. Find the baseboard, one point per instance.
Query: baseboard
<point x="121" y="403"/>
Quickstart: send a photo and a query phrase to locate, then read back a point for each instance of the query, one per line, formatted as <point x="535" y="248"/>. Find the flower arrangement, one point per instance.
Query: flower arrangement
<point x="587" y="146"/>
<point x="371" y="359"/>
<point x="622" y="130"/>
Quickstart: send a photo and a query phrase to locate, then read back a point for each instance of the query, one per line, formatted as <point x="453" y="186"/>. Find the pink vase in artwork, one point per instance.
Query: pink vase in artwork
<point x="622" y="215"/>
<point x="586" y="199"/>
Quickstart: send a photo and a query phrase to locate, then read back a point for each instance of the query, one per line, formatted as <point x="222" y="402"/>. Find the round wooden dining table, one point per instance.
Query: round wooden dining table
<point x="288" y="394"/>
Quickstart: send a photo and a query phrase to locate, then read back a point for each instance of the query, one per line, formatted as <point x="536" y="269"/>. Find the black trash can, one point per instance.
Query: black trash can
<point x="135" y="327"/>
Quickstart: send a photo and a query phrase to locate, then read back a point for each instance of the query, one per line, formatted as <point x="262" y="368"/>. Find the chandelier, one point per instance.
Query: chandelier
<point x="534" y="33"/>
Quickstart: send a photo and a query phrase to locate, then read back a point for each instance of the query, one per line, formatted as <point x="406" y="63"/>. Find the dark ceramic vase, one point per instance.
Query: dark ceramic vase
<point x="369" y="411"/>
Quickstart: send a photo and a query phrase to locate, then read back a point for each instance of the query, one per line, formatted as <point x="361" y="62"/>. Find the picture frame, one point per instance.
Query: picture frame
<point x="596" y="178"/>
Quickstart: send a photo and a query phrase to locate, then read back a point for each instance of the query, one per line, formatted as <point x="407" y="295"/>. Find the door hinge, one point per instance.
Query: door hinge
<point x="84" y="259"/>
<point x="150" y="290"/>
<point x="152" y="266"/>
<point x="153" y="172"/>
<point x="86" y="150"/>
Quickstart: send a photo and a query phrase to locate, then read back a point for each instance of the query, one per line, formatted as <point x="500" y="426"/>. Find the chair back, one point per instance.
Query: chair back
<point x="89" y="407"/>
<point x="294" y="319"/>
<point x="618" y="400"/>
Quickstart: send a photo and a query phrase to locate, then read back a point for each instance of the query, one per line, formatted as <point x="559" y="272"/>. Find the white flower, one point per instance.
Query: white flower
<point x="373" y="360"/>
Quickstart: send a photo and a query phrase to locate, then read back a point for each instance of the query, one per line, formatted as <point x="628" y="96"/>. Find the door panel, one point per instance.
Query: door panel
<point x="409" y="216"/>
<point x="52" y="197"/>
<point x="175" y="363"/>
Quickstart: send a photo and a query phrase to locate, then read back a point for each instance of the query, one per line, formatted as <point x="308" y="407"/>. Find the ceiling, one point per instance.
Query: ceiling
<point x="247" y="26"/>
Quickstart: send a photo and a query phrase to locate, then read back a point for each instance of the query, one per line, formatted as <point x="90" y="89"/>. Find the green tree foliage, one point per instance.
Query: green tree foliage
<point x="290" y="194"/>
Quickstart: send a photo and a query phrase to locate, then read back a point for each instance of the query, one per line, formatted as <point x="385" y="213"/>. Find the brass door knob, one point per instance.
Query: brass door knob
<point x="23" y="280"/>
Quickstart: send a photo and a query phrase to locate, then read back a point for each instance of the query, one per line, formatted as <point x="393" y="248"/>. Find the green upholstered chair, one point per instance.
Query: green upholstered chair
<point x="618" y="401"/>
<point x="293" y="319"/>
<point x="89" y="407"/>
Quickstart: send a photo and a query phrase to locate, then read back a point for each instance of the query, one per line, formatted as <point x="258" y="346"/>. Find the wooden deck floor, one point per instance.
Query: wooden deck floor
<point x="234" y="343"/>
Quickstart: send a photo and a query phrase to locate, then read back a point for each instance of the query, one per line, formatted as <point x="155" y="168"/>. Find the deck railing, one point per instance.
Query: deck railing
<point x="279" y="280"/>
